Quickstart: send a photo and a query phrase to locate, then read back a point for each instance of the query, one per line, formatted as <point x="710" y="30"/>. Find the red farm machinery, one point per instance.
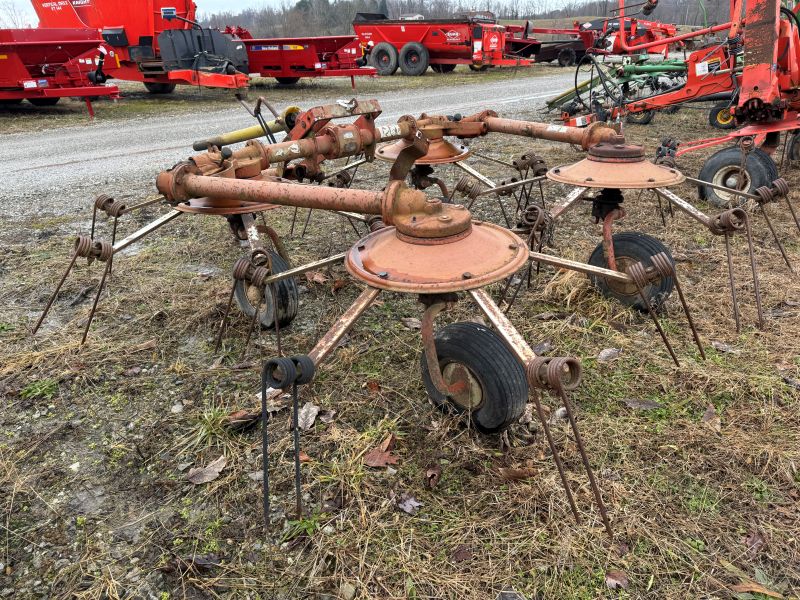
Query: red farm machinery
<point x="159" y="43"/>
<point x="413" y="45"/>
<point x="44" y="65"/>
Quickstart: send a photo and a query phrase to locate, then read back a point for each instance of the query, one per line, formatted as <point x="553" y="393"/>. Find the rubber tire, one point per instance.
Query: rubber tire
<point x="723" y="110"/>
<point x="410" y="68"/>
<point x="793" y="152"/>
<point x="567" y="57"/>
<point x="443" y="68"/>
<point x="44" y="101"/>
<point x="760" y="167"/>
<point x="387" y="67"/>
<point x="502" y="378"/>
<point x="287" y="80"/>
<point x="160" y="88"/>
<point x="287" y="298"/>
<point x="640" y="118"/>
<point x="638" y="247"/>
<point x="671" y="110"/>
<point x="479" y="68"/>
<point x="9" y="103"/>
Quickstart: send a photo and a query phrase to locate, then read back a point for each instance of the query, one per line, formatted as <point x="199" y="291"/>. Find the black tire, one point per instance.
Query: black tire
<point x="287" y="80"/>
<point x="720" y="116"/>
<point x="725" y="168"/>
<point x="567" y="57"/>
<point x="44" y="101"/>
<point x="159" y="88"/>
<point x="414" y="59"/>
<point x="9" y="103"/>
<point x="384" y="58"/>
<point x="443" y="68"/>
<point x="793" y="152"/>
<point x="671" y="110"/>
<point x="640" y="118"/>
<point x="491" y="365"/>
<point x="479" y="68"/>
<point x="631" y="247"/>
<point x="287" y="298"/>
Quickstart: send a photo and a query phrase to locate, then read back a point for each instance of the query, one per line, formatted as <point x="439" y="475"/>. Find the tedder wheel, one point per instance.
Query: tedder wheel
<point x="384" y="58"/>
<point x="566" y="57"/>
<point x="287" y="80"/>
<point x="479" y="68"/>
<point x="793" y="153"/>
<point x="496" y="386"/>
<point x="725" y="168"/>
<point x="247" y="296"/>
<point x="441" y="68"/>
<point x="631" y="247"/>
<point x="44" y="101"/>
<point x="159" y="88"/>
<point x="720" y="116"/>
<point x="640" y="118"/>
<point x="414" y="59"/>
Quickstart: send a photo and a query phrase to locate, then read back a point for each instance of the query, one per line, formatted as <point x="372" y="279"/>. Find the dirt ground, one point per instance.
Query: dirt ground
<point x="698" y="464"/>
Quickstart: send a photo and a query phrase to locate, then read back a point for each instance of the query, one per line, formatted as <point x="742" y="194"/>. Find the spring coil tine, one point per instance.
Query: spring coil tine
<point x="241" y="268"/>
<point x="305" y="368"/>
<point x="765" y="194"/>
<point x="280" y="373"/>
<point x="638" y="273"/>
<point x="564" y="373"/>
<point x="82" y="246"/>
<point x="259" y="275"/>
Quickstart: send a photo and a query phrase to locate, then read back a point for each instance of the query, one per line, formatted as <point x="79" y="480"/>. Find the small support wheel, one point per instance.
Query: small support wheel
<point x="640" y="118"/>
<point x="720" y="116"/>
<point x="44" y="101"/>
<point x="495" y="388"/>
<point x="159" y="88"/>
<point x="725" y="169"/>
<point x="248" y="297"/>
<point x="631" y="247"/>
<point x="478" y="68"/>
<point x="443" y="68"/>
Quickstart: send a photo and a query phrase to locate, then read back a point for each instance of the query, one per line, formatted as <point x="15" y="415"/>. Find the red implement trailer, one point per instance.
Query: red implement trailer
<point x="289" y="59"/>
<point x="156" y="42"/>
<point x="415" y="44"/>
<point x="44" y="65"/>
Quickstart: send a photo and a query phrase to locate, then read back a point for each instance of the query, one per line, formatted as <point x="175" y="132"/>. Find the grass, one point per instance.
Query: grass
<point x="682" y="496"/>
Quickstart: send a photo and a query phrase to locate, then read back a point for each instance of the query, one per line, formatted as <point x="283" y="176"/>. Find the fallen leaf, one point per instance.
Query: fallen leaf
<point x="381" y="456"/>
<point x="608" y="354"/>
<point x="148" y="345"/>
<point x="316" y="277"/>
<point x="616" y="580"/>
<point x="754" y="588"/>
<point x="527" y="415"/>
<point x="432" y="475"/>
<point x="373" y="386"/>
<point x="408" y="504"/>
<point x="242" y="419"/>
<point x="208" y="473"/>
<point x="755" y="542"/>
<point x="512" y="474"/>
<point x="411" y="322"/>
<point x="543" y="347"/>
<point x="711" y="419"/>
<point x="304" y="458"/>
<point x="338" y="284"/>
<point x="132" y="372"/>
<point x="461" y="553"/>
<point x="642" y="404"/>
<point x="327" y="416"/>
<point x="723" y="347"/>
<point x="307" y="415"/>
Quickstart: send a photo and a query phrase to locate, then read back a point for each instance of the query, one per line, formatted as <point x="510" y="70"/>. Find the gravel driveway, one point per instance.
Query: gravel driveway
<point x="59" y="171"/>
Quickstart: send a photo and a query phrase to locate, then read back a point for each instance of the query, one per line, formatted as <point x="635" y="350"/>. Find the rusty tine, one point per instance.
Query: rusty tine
<point x="250" y="329"/>
<point x="106" y="271"/>
<point x="224" y="322"/>
<point x="775" y="237"/>
<point x="52" y="299"/>
<point x="639" y="275"/>
<point x="794" y="214"/>
<point x="732" y="282"/>
<point x="754" y="268"/>
<point x="665" y="268"/>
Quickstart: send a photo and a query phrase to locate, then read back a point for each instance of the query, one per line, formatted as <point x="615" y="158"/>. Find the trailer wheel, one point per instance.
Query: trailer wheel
<point x="640" y="118"/>
<point x="720" y="116"/>
<point x="440" y="68"/>
<point x="496" y="388"/>
<point x="566" y="57"/>
<point x="479" y="68"/>
<point x="384" y="58"/>
<point x="287" y="80"/>
<point x="44" y="101"/>
<point x="631" y="247"/>
<point x="414" y="59"/>
<point x="159" y="88"/>
<point x="13" y="102"/>
<point x="247" y="296"/>
<point x="725" y="168"/>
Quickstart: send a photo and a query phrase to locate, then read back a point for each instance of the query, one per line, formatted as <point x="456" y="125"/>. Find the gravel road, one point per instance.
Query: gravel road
<point x="59" y="171"/>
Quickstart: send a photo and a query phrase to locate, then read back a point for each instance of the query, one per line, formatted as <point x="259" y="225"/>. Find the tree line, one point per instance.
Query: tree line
<point x="334" y="17"/>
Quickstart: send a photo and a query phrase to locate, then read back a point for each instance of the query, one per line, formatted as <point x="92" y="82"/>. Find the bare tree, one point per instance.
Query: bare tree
<point x="11" y="16"/>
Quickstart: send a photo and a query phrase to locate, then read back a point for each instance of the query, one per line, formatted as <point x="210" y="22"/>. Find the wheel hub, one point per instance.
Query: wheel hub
<point x="465" y="390"/>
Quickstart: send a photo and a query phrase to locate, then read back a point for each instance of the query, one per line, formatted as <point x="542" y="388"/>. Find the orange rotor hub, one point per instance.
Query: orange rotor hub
<point x="440" y="151"/>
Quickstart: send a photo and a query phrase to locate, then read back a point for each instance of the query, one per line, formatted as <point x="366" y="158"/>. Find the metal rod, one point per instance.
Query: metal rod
<point x="685" y="206"/>
<point x="732" y="282"/>
<point x="477" y="175"/>
<point x="723" y="188"/>
<point x="147" y="229"/>
<point x="580" y="267"/>
<point x="97" y="299"/>
<point x="776" y="238"/>
<point x="347" y="167"/>
<point x="330" y="340"/>
<point x="510" y="186"/>
<point x="575" y="195"/>
<point x="305" y="268"/>
<point x="55" y="293"/>
<point x="754" y="268"/>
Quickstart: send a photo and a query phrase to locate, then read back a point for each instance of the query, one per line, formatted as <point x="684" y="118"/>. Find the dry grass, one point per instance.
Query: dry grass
<point x="125" y="523"/>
